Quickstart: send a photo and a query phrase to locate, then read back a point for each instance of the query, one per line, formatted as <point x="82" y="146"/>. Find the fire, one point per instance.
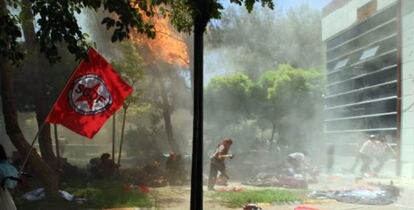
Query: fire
<point x="168" y="45"/>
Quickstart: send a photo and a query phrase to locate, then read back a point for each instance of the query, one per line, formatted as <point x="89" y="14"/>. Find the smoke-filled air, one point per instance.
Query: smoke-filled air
<point x="210" y="104"/>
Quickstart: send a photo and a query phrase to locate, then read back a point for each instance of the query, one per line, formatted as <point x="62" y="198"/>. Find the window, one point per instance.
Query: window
<point x="341" y="63"/>
<point x="368" y="53"/>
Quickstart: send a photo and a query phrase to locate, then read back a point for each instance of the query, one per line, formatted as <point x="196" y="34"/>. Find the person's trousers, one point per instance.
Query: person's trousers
<point x="366" y="162"/>
<point x="215" y="166"/>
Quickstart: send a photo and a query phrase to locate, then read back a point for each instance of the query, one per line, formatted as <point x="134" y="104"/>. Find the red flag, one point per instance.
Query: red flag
<point x="92" y="94"/>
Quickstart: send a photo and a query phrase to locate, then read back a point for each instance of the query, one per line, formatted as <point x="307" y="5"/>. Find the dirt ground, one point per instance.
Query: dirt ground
<point x="178" y="198"/>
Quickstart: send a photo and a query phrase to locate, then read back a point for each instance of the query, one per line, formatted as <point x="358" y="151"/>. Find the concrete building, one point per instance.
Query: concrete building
<point x="370" y="74"/>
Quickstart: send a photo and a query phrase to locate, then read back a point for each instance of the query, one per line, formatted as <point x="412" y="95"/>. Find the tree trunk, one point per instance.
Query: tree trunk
<point x="200" y="23"/>
<point x="166" y="113"/>
<point x="32" y="64"/>
<point x="273" y="132"/>
<point x="45" y="174"/>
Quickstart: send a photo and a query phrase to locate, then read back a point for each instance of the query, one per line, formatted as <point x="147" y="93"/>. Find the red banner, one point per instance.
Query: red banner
<point x="93" y="93"/>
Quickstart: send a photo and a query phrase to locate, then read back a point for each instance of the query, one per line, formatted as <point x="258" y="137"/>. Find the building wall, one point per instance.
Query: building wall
<point x="407" y="92"/>
<point x="361" y="90"/>
<point x="346" y="15"/>
<point x="362" y="83"/>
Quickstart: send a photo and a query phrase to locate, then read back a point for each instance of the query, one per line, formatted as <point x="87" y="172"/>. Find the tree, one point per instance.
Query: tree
<point x="283" y="102"/>
<point x="287" y="93"/>
<point x="34" y="64"/>
<point x="226" y="98"/>
<point x="131" y="69"/>
<point x="57" y="24"/>
<point x="202" y="12"/>
<point x="268" y="38"/>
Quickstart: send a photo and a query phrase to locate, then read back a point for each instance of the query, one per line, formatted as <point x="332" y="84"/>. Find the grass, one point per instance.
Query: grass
<point x="99" y="193"/>
<point x="239" y="199"/>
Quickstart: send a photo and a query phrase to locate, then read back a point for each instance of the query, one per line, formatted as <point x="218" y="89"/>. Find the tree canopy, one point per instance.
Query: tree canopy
<point x="280" y="97"/>
<point x="57" y="22"/>
<point x="258" y="42"/>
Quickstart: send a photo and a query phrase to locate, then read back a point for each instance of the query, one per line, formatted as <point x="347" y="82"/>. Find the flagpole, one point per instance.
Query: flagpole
<point x="31" y="146"/>
<point x="113" y="136"/>
<point x="57" y="145"/>
<point x="122" y="137"/>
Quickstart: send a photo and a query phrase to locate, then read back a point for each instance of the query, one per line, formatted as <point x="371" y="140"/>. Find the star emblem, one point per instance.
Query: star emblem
<point x="90" y="95"/>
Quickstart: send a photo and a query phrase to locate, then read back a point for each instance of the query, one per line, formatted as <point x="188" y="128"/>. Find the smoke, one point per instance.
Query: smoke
<point x="254" y="44"/>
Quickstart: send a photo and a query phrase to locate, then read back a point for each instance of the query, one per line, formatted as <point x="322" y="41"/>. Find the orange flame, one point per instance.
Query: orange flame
<point x="168" y="45"/>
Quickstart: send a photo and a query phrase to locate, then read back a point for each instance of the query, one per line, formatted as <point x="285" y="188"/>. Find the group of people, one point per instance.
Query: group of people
<point x="373" y="149"/>
<point x="294" y="163"/>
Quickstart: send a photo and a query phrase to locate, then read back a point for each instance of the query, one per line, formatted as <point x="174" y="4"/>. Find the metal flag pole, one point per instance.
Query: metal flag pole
<point x="57" y="145"/>
<point x="113" y="136"/>
<point x="31" y="146"/>
<point x="122" y="137"/>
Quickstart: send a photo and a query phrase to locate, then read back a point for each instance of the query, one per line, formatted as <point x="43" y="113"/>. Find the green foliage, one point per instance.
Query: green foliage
<point x="57" y="21"/>
<point x="287" y="79"/>
<point x="284" y="97"/>
<point x="250" y="3"/>
<point x="131" y="68"/>
<point x="226" y="96"/>
<point x="9" y="34"/>
<point x="239" y="199"/>
<point x="180" y="14"/>
<point x="254" y="43"/>
<point x="287" y="91"/>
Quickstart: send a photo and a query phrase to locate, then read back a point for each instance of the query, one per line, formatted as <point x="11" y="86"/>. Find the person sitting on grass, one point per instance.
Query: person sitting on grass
<point x="175" y="169"/>
<point x="103" y="167"/>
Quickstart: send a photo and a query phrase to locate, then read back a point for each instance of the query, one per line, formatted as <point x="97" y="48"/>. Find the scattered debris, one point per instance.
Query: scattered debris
<point x="222" y="180"/>
<point x="39" y="194"/>
<point x="251" y="206"/>
<point x="229" y="189"/>
<point x="305" y="208"/>
<point x="271" y="180"/>
<point x="368" y="195"/>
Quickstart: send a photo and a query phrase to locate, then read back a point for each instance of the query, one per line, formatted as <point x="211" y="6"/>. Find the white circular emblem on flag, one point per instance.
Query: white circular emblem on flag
<point x="89" y="95"/>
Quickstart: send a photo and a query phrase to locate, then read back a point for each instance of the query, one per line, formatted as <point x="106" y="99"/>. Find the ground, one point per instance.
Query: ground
<point x="177" y="198"/>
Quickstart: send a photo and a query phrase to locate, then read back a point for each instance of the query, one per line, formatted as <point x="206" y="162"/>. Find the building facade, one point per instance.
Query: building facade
<point x="370" y="74"/>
